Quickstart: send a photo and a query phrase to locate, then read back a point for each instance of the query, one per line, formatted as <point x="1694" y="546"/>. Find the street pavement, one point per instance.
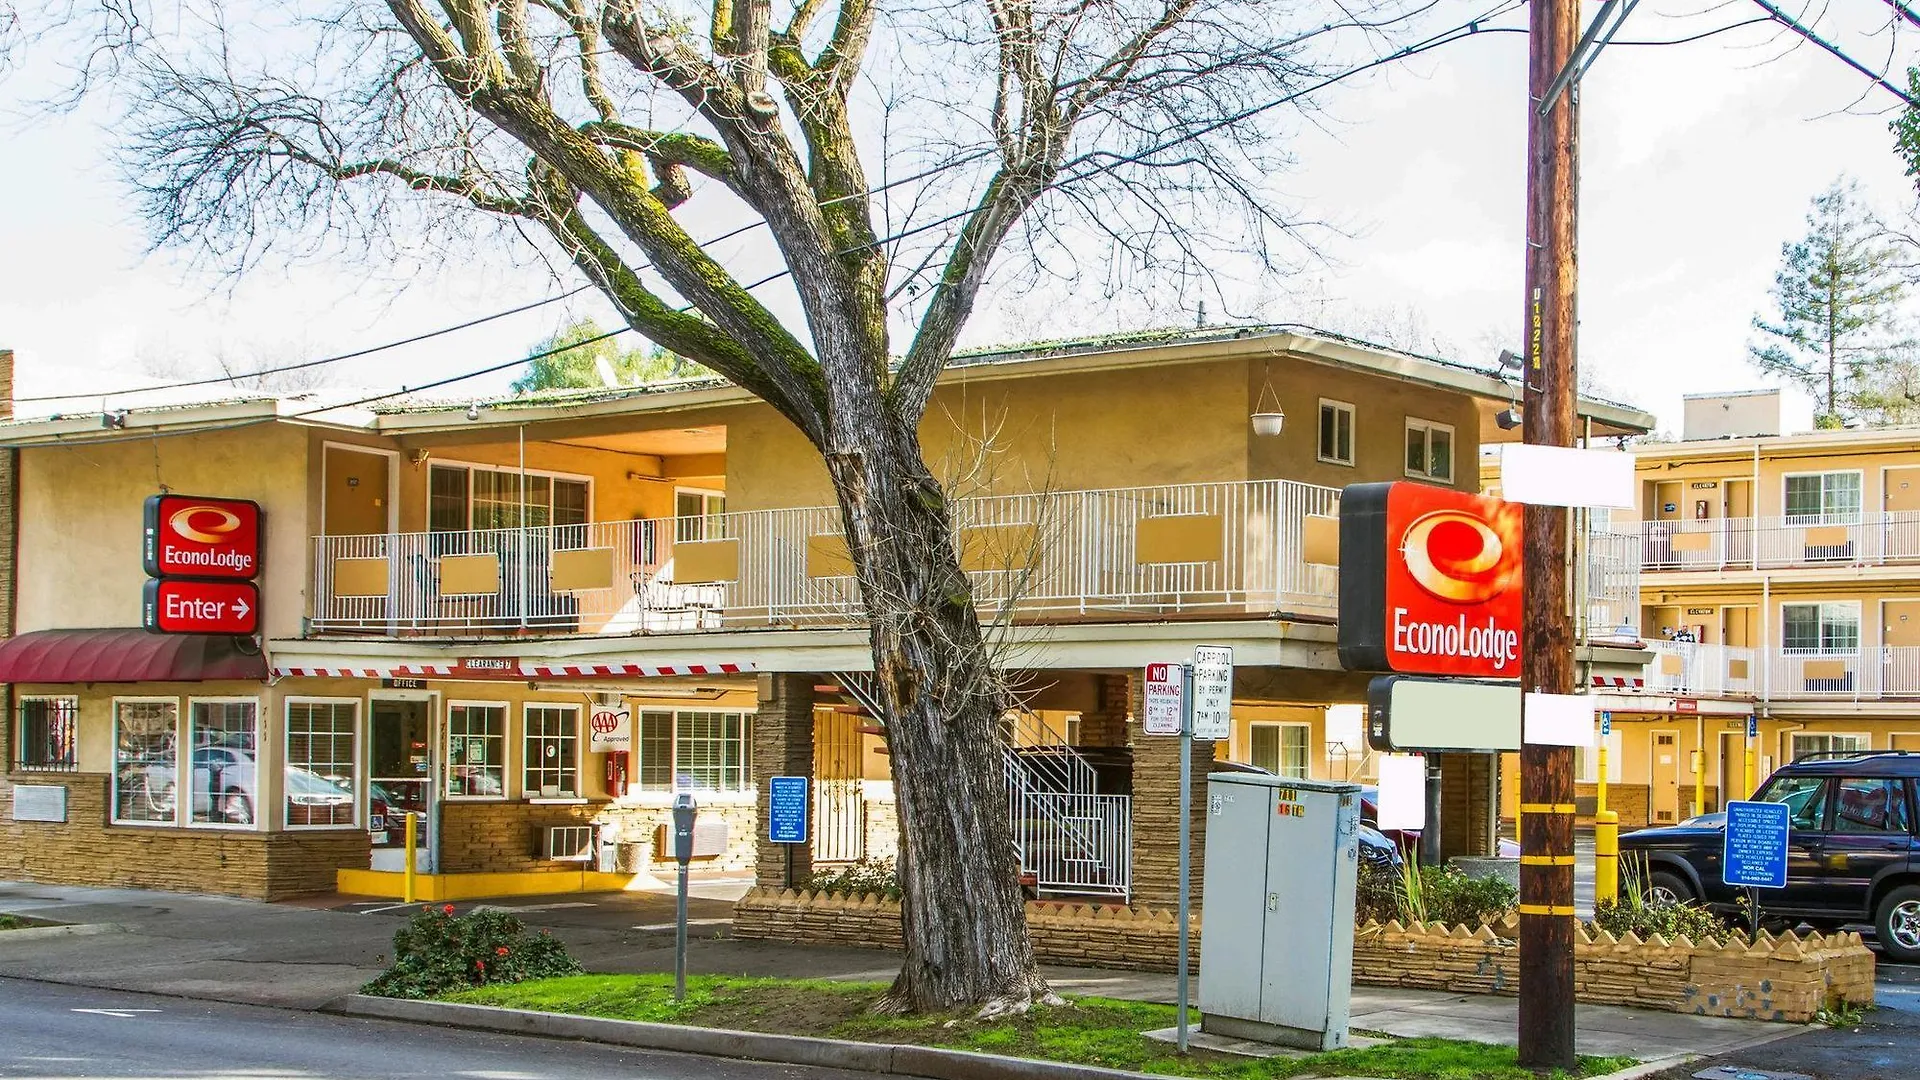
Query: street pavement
<point x="64" y="1031"/>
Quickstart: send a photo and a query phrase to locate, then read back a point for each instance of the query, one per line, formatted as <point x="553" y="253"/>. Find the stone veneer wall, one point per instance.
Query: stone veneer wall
<point x="1788" y="978"/>
<point x="86" y="850"/>
<point x="507" y="837"/>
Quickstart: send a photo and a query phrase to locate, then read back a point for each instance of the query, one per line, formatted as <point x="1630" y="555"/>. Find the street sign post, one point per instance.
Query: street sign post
<point x="1205" y="711"/>
<point x="1163" y="700"/>
<point x="1753" y="854"/>
<point x="180" y="606"/>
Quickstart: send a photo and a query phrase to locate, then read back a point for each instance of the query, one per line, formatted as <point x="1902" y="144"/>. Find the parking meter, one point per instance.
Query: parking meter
<point x="684" y="811"/>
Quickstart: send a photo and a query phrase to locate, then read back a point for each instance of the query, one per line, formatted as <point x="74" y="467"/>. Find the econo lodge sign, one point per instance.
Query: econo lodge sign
<point x="1430" y="581"/>
<point x="187" y="536"/>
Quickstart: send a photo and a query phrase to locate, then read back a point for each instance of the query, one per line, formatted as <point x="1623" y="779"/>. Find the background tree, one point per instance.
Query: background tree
<point x="1837" y="294"/>
<point x="1129" y="137"/>
<point x="589" y="356"/>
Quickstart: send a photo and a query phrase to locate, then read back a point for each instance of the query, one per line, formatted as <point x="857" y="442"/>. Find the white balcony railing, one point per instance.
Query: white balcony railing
<point x="1694" y="669"/>
<point x="1222" y="548"/>
<point x="1891" y="671"/>
<point x="1716" y="543"/>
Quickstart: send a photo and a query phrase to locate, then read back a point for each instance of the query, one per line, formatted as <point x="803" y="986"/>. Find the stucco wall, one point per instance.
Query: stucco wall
<point x="80" y="520"/>
<point x="1382" y="407"/>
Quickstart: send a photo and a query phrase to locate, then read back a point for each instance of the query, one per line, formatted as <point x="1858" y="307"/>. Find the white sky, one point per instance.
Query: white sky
<point x="1698" y="162"/>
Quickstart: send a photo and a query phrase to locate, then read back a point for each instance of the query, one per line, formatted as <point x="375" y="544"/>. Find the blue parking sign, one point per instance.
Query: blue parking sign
<point x="1753" y="727"/>
<point x="1606" y="724"/>
<point x="787" y="809"/>
<point x="1754" y="854"/>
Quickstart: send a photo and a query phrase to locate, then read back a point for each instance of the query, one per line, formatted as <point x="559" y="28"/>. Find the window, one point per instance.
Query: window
<point x="1805" y="745"/>
<point x="551" y="767"/>
<point x="1336" y="432"/>
<point x="1281" y="749"/>
<point x="323" y="777"/>
<point x="1877" y="805"/>
<point x="694" y="512"/>
<point x="476" y="751"/>
<point x="1802" y="796"/>
<point x="1820" y="629"/>
<point x="710" y="751"/>
<point x="1823" y="498"/>
<point x="1429" y="450"/>
<point x="146" y="762"/>
<point x="222" y="782"/>
<point x="462" y="497"/>
<point x="706" y="751"/>
<point x="49" y="735"/>
<point x="1073" y="729"/>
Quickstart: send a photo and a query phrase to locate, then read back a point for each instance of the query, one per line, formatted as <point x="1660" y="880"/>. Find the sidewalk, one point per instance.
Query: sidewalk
<point x="305" y="955"/>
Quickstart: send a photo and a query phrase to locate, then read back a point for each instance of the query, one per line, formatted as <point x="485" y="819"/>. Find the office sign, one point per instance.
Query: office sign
<point x="1754" y="851"/>
<point x="610" y="729"/>
<point x="1212" y="692"/>
<point x="787" y="809"/>
<point x="191" y="536"/>
<point x="1430" y="581"/>
<point x="1163" y="700"/>
<point x="181" y="606"/>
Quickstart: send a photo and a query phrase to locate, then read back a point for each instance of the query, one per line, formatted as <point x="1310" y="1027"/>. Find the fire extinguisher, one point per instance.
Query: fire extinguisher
<point x="616" y="773"/>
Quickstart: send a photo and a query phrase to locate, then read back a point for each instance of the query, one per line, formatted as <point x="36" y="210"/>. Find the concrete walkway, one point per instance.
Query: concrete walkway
<point x="305" y="955"/>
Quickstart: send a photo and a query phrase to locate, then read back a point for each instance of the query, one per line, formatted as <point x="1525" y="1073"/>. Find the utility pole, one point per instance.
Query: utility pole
<point x="1546" y="666"/>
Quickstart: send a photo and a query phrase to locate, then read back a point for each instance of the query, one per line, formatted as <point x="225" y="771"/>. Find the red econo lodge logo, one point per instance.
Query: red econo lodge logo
<point x="1453" y="583"/>
<point x="204" y="538"/>
<point x="1430" y="581"/>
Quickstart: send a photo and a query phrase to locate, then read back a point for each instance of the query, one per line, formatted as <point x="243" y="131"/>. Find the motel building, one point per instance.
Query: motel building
<point x="460" y="604"/>
<point x="1779" y="580"/>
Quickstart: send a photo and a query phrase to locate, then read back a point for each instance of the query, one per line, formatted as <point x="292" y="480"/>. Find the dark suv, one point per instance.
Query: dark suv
<point x="1852" y="855"/>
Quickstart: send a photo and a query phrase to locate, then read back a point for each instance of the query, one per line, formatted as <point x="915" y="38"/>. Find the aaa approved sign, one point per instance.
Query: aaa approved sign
<point x="201" y="607"/>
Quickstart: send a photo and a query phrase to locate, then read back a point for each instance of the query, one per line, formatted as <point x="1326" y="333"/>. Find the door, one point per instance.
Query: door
<point x="1871" y="834"/>
<point x="1733" y="766"/>
<point x="1739" y="626"/>
<point x="1900" y="498"/>
<point x="1667" y="511"/>
<point x="1739" y="523"/>
<point x="1900" y="659"/>
<point x="356" y="493"/>
<point x="400" y="767"/>
<point x="840" y="808"/>
<point x="1666" y="767"/>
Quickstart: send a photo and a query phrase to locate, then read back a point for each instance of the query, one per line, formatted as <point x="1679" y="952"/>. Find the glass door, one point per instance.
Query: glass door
<point x="400" y="758"/>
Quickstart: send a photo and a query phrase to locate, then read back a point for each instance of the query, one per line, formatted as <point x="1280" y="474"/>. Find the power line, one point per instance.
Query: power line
<point x="1788" y="21"/>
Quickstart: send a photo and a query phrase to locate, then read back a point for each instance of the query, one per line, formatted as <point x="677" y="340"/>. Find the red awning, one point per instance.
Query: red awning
<point x="125" y="655"/>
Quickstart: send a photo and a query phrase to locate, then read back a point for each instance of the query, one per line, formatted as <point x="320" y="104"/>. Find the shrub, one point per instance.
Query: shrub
<point x="867" y="877"/>
<point x="437" y="953"/>
<point x="1635" y="911"/>
<point x="1376" y="894"/>
<point x="1430" y="894"/>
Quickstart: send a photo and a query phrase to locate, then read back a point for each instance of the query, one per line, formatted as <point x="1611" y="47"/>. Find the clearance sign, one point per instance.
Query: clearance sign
<point x="1430" y="581"/>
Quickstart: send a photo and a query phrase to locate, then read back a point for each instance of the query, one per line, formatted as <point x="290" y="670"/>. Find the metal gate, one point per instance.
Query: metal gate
<point x="839" y="805"/>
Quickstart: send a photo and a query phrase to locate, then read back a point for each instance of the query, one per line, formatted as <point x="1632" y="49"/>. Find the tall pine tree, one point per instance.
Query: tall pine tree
<point x="1833" y="332"/>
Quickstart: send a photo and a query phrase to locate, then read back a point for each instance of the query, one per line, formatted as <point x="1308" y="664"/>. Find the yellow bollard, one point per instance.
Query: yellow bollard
<point x="412" y="832"/>
<point x="1606" y="856"/>
<point x="1600" y="801"/>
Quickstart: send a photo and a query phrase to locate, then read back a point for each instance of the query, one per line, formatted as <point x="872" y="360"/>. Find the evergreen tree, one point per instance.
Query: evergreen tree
<point x="579" y="366"/>
<point x="1837" y="295"/>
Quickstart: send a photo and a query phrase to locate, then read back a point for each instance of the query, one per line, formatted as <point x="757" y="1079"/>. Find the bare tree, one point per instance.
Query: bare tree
<point x="1120" y="139"/>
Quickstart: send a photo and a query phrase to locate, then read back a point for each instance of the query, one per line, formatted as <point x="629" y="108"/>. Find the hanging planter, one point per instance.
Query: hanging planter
<point x="1267" y="420"/>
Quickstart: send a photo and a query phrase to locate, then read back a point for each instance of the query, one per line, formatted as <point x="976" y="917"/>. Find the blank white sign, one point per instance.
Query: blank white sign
<point x="1559" y="719"/>
<point x="1403" y="792"/>
<point x="1565" y="476"/>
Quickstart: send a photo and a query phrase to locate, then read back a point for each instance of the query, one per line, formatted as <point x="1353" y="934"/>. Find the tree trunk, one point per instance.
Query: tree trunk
<point x="943" y="702"/>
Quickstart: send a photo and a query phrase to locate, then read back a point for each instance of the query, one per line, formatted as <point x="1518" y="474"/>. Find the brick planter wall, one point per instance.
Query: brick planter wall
<point x="85" y="850"/>
<point x="1788" y="978"/>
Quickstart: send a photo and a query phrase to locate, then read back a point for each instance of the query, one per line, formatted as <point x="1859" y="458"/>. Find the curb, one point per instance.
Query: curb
<point x="884" y="1058"/>
<point x="41" y="933"/>
<point x="1648" y="1068"/>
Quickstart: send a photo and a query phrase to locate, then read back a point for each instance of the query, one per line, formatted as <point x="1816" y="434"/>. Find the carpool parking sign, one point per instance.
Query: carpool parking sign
<point x="1755" y="852"/>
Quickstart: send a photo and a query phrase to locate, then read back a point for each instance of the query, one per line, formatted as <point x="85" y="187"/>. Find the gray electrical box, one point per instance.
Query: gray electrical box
<point x="1276" y="947"/>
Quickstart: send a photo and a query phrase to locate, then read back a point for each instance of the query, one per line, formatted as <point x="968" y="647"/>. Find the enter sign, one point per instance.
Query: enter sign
<point x="201" y="607"/>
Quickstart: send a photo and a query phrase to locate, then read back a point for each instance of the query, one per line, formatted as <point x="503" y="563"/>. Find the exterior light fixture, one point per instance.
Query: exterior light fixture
<point x="1508" y="418"/>
<point x="473" y="412"/>
<point x="1267" y="421"/>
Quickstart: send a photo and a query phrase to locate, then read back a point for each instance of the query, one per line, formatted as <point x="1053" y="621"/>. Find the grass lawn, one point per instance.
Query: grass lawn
<point x="1093" y="1031"/>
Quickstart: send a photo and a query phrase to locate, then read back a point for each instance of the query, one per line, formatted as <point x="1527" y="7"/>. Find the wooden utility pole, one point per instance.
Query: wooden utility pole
<point x="1546" y="772"/>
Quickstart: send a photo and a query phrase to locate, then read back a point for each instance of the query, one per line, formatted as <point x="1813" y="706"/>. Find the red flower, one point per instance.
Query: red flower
<point x="448" y="910"/>
<point x="481" y="964"/>
<point x="501" y="951"/>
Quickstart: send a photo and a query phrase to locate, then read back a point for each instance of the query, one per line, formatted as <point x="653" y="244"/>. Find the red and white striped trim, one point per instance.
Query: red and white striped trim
<point x="1620" y="682"/>
<point x="648" y="671"/>
<point x="386" y="672"/>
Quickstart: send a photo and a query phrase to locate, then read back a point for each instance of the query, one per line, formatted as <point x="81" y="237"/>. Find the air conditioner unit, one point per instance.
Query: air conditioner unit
<point x="569" y="843"/>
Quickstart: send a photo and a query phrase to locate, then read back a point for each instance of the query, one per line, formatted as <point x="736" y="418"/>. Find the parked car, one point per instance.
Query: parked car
<point x="1852" y="852"/>
<point x="1409" y="839"/>
<point x="1378" y="851"/>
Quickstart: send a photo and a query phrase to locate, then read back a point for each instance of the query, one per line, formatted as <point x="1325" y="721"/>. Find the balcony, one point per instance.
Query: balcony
<point x="1217" y="549"/>
<point x="1693" y="669"/>
<point x="1701" y="670"/>
<point x="1874" y="539"/>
